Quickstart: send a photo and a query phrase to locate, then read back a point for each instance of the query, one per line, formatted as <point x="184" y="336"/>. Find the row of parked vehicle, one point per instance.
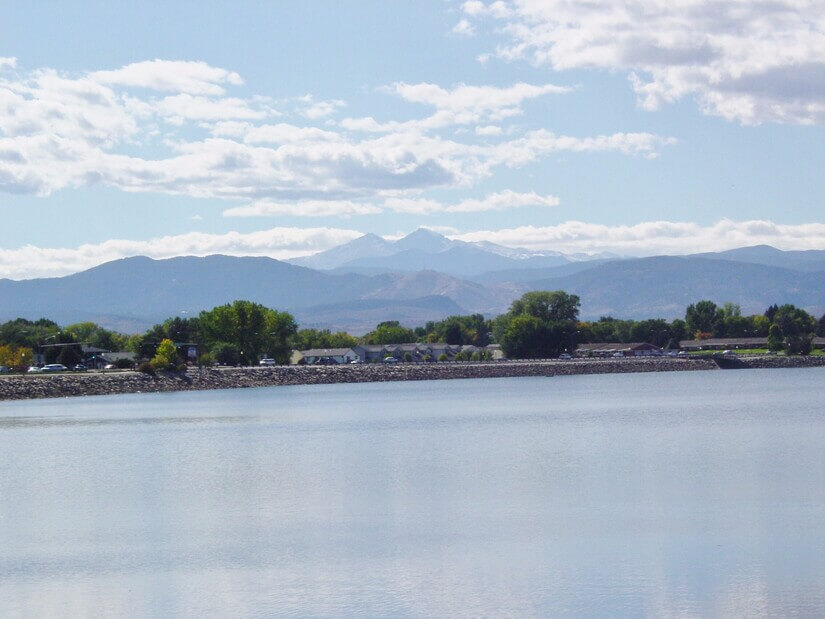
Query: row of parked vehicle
<point x="59" y="367"/>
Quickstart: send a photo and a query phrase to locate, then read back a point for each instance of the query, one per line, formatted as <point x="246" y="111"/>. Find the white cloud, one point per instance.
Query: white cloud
<point x="282" y="133"/>
<point x="304" y="208"/>
<point x="185" y="107"/>
<point x="464" y="28"/>
<point x="60" y="131"/>
<point x="477" y="8"/>
<point x="493" y="202"/>
<point x="655" y="237"/>
<point x="747" y="61"/>
<point x="193" y="77"/>
<point x="280" y="243"/>
<point x="489" y="130"/>
<point x="346" y="208"/>
<point x="462" y="105"/>
<point x="320" y="109"/>
<point x="8" y="61"/>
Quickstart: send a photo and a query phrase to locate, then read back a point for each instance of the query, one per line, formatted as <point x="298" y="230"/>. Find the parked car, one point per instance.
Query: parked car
<point x="727" y="352"/>
<point x="355" y="361"/>
<point x="267" y="362"/>
<point x="4" y="369"/>
<point x="110" y="366"/>
<point x="34" y="370"/>
<point x="80" y="368"/>
<point x="390" y="360"/>
<point x="54" y="367"/>
<point x="617" y="354"/>
<point x="565" y="355"/>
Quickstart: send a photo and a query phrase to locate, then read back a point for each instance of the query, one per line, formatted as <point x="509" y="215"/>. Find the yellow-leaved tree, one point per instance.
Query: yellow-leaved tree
<point x="166" y="356"/>
<point x="16" y="357"/>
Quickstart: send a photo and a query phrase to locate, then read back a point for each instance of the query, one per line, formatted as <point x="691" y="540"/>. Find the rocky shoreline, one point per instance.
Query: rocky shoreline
<point x="69" y="385"/>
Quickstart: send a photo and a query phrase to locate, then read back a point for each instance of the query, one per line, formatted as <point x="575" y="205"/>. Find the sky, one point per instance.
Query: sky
<point x="286" y="128"/>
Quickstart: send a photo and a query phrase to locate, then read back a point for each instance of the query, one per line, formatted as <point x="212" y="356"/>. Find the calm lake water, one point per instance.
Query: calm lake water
<point x="697" y="493"/>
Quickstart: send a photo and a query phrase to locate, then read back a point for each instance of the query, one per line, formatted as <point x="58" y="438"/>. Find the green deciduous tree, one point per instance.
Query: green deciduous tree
<point x="305" y="339"/>
<point x="539" y="324"/>
<point x="776" y="341"/>
<point x="389" y="332"/>
<point x="548" y="306"/>
<point x="251" y="328"/>
<point x="704" y="317"/>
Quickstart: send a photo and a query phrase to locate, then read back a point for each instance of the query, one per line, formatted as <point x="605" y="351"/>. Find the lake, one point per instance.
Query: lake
<point x="685" y="493"/>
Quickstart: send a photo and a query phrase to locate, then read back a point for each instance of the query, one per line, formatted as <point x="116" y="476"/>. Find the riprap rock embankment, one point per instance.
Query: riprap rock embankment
<point x="65" y="385"/>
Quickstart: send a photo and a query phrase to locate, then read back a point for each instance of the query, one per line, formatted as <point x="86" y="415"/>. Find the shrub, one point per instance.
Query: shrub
<point x="442" y="357"/>
<point x="147" y="368"/>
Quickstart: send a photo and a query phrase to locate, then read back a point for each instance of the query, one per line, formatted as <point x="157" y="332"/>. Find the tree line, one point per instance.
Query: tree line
<point x="540" y="324"/>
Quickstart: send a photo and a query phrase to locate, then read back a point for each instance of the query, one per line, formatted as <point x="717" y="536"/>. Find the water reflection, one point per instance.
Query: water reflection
<point x="681" y="494"/>
<point x="8" y="423"/>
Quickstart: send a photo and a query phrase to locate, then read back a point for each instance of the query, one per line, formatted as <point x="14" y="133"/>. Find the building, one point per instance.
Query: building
<point x="724" y="343"/>
<point x="329" y="356"/>
<point x="612" y="349"/>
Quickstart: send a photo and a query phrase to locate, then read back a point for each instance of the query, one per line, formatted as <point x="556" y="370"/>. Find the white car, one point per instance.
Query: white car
<point x="390" y="360"/>
<point x="267" y="362"/>
<point x="34" y="370"/>
<point x="54" y="367"/>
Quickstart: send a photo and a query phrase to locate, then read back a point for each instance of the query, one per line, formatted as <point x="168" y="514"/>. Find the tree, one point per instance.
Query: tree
<point x="22" y="332"/>
<point x="389" y="332"/>
<point x="251" y="328"/>
<point x="525" y="338"/>
<point x="760" y="325"/>
<point x="16" y="357"/>
<point x="94" y="335"/>
<point x="776" y="341"/>
<point x="794" y="321"/>
<point x="459" y="330"/>
<point x="149" y="341"/>
<point x="540" y="324"/>
<point x="678" y="331"/>
<point x="166" y="356"/>
<point x="704" y="317"/>
<point x="654" y="331"/>
<point x="820" y="326"/>
<point x="305" y="339"/>
<point x="548" y="306"/>
<point x="226" y="354"/>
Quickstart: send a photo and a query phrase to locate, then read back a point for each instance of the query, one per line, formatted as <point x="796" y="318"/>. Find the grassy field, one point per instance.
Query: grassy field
<point x="749" y="351"/>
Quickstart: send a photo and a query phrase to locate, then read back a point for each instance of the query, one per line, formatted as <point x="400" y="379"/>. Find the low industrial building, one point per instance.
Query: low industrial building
<point x="724" y="343"/>
<point x="612" y="349"/>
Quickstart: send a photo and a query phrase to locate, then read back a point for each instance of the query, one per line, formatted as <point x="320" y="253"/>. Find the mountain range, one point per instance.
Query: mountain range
<point x="423" y="276"/>
<point x="427" y="250"/>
